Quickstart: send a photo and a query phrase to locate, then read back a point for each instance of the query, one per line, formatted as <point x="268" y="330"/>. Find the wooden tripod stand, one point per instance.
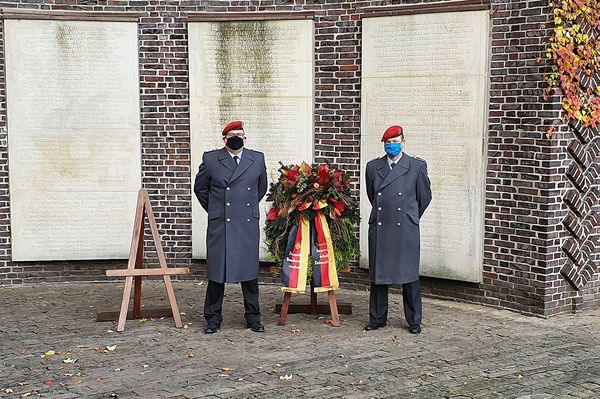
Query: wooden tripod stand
<point x="135" y="271"/>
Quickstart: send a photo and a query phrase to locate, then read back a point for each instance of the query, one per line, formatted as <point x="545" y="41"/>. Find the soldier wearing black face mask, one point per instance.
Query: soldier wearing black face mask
<point x="229" y="185"/>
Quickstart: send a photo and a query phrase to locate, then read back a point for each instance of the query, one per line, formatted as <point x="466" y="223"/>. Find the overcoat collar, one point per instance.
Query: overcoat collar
<point x="389" y="175"/>
<point x="227" y="160"/>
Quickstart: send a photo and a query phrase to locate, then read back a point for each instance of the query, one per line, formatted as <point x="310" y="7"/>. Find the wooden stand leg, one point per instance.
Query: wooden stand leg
<point x="284" y="309"/>
<point x="335" y="317"/>
<point x="125" y="303"/>
<point x="313" y="298"/>
<point x="173" y="301"/>
<point x="137" y="288"/>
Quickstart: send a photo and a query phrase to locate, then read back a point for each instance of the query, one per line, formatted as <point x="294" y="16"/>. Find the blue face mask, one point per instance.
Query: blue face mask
<point x="393" y="149"/>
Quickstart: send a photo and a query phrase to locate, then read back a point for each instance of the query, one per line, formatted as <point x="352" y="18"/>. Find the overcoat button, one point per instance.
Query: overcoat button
<point x="229" y="220"/>
<point x="379" y="223"/>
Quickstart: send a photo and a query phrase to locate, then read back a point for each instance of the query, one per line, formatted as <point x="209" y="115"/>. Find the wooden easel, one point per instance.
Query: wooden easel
<point x="135" y="272"/>
<point x="313" y="308"/>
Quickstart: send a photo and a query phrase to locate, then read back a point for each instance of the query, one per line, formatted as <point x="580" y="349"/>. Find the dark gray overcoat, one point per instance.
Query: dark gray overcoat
<point x="230" y="195"/>
<point x="398" y="197"/>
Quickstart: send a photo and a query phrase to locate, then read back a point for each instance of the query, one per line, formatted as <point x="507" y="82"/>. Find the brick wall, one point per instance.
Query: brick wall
<point x="526" y="176"/>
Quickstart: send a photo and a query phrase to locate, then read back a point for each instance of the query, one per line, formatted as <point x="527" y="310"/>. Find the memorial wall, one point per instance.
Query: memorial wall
<point x="98" y="100"/>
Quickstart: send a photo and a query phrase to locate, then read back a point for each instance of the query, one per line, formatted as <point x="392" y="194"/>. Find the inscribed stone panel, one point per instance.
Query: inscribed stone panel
<point x="260" y="72"/>
<point x="73" y="137"/>
<point x="428" y="73"/>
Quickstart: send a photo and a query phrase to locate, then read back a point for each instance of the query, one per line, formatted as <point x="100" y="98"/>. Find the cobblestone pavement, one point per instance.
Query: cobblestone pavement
<point x="464" y="351"/>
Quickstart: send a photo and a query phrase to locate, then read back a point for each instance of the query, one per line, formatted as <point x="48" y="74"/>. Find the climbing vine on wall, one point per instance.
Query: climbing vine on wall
<point x="574" y="48"/>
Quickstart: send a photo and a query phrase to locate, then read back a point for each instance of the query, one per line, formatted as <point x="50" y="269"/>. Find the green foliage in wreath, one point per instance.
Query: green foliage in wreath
<point x="306" y="187"/>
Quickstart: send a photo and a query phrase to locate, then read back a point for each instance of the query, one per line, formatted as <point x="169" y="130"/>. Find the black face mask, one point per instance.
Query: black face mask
<point x="235" y="142"/>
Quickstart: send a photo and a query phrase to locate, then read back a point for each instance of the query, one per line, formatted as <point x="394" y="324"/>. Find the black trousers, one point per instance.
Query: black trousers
<point x="411" y="296"/>
<point x="213" y="303"/>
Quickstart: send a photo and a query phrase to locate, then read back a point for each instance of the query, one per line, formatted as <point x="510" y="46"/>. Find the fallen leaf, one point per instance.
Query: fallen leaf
<point x="22" y="383"/>
<point x="241" y="379"/>
<point x="342" y="356"/>
<point x="277" y="365"/>
<point x="111" y="348"/>
<point x="78" y="382"/>
<point x="69" y="360"/>
<point x="8" y="390"/>
<point x="295" y="330"/>
<point x="22" y="352"/>
<point x="227" y="369"/>
<point x="146" y="366"/>
<point x="118" y="369"/>
<point x="413" y="390"/>
<point x="27" y="394"/>
<point x="185" y="326"/>
<point x="183" y="313"/>
<point x="190" y="354"/>
<point x="286" y="377"/>
<point x="519" y="376"/>
<point x="69" y="375"/>
<point x="49" y="354"/>
<point x="223" y="375"/>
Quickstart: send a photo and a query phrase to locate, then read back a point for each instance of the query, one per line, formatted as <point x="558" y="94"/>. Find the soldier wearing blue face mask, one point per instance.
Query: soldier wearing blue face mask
<point x="399" y="191"/>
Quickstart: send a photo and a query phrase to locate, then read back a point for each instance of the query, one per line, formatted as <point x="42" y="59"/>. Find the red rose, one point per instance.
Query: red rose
<point x="272" y="214"/>
<point x="339" y="207"/>
<point x="323" y="174"/>
<point x="292" y="173"/>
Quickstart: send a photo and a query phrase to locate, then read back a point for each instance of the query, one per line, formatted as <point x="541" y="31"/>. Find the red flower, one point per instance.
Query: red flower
<point x="272" y="214"/>
<point x="292" y="173"/>
<point x="323" y="174"/>
<point x="339" y="207"/>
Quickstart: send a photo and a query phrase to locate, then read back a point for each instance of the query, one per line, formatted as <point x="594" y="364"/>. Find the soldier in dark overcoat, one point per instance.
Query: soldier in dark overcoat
<point x="399" y="191"/>
<point x="230" y="183"/>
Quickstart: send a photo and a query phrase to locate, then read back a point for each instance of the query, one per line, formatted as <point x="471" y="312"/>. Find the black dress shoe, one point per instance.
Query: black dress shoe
<point x="373" y="326"/>
<point x="211" y="329"/>
<point x="414" y="329"/>
<point x="256" y="326"/>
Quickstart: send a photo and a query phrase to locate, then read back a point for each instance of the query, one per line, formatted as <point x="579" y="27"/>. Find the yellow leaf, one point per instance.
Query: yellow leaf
<point x="227" y="369"/>
<point x="49" y="353"/>
<point x="69" y="360"/>
<point x="111" y="348"/>
<point x="78" y="382"/>
<point x="190" y="354"/>
<point x="22" y="383"/>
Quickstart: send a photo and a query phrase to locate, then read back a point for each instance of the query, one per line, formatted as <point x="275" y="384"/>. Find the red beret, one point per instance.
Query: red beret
<point x="235" y="125"/>
<point x="392" y="131"/>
